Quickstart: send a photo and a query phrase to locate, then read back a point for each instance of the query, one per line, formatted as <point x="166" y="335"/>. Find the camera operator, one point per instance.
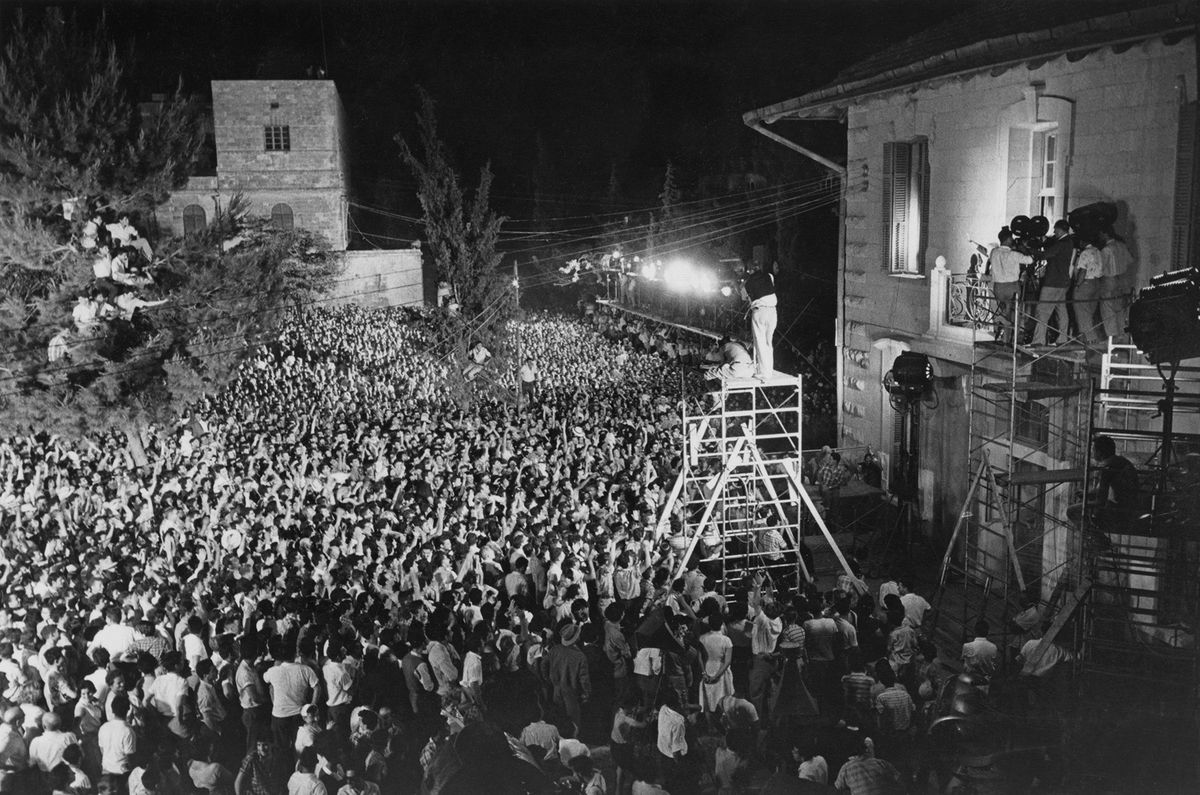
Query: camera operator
<point x="1059" y="251"/>
<point x="1004" y="264"/>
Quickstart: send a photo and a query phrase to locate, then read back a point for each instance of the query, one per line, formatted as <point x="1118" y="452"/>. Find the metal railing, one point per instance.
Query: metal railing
<point x="971" y="301"/>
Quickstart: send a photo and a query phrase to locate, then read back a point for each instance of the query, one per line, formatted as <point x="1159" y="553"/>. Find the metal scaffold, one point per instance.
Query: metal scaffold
<point x="1126" y="601"/>
<point x="740" y="490"/>
<point x="1028" y="440"/>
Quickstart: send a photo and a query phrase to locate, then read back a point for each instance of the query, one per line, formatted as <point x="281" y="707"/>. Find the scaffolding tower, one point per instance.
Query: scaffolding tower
<point x="1126" y="604"/>
<point x="740" y="489"/>
<point x="1142" y="615"/>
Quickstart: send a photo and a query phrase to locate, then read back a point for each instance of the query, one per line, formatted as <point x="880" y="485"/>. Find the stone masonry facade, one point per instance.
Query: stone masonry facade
<point x="310" y="177"/>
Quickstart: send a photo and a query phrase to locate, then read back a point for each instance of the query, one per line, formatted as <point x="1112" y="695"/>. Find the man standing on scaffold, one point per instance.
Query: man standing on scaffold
<point x="760" y="290"/>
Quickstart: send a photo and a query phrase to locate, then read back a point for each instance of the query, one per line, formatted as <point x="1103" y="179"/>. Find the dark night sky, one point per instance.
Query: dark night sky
<point x="582" y="86"/>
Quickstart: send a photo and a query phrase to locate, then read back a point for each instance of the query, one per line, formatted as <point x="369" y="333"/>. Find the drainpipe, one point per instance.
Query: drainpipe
<point x="759" y="127"/>
<point x="839" y="335"/>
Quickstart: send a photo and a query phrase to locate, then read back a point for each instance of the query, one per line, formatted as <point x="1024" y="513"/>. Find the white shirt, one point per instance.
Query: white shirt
<point x="672" y="733"/>
<point x="115" y="638"/>
<point x="102" y="267"/>
<point x="167" y="693"/>
<point x="291" y="684"/>
<point x="84" y="313"/>
<point x="122" y="233"/>
<point x="914" y="608"/>
<point x="118" y="744"/>
<point x="338" y="682"/>
<point x="980" y="656"/>
<point x="46" y="750"/>
<point x="648" y="662"/>
<point x="305" y="784"/>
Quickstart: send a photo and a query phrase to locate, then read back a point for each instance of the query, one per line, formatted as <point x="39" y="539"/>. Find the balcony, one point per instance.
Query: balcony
<point x="962" y="307"/>
<point x="970" y="302"/>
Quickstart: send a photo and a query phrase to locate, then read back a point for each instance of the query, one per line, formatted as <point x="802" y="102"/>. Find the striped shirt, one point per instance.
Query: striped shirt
<point x="856" y="686"/>
<point x="895" y="708"/>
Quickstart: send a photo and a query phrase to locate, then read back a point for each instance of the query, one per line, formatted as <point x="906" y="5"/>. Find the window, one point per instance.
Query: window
<point x="905" y="206"/>
<point x="281" y="217"/>
<point x="277" y="138"/>
<point x="1049" y="182"/>
<point x="1033" y="423"/>
<point x="194" y="220"/>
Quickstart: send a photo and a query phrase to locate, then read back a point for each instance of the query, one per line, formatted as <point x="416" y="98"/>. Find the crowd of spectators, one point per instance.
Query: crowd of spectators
<point x="332" y="567"/>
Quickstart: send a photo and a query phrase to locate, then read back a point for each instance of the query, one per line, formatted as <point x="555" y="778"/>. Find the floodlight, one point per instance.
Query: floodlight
<point x="1164" y="320"/>
<point x="679" y="275"/>
<point x="647" y="270"/>
<point x="911" y="374"/>
<point x="727" y="291"/>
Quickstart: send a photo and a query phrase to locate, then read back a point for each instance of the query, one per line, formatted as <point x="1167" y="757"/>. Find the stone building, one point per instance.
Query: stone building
<point x="279" y="143"/>
<point x="282" y="145"/>
<point x="1021" y="109"/>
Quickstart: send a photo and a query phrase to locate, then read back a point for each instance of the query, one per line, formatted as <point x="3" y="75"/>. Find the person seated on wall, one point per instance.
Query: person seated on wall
<point x="125" y="235"/>
<point x="477" y="356"/>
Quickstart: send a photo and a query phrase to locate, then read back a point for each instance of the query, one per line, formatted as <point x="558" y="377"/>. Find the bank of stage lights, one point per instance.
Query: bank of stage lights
<point x="684" y="276"/>
<point x="1164" y="321"/>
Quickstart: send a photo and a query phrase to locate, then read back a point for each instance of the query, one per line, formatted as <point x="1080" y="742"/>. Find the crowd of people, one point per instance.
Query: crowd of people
<point x="122" y="267"/>
<point x="332" y="567"/>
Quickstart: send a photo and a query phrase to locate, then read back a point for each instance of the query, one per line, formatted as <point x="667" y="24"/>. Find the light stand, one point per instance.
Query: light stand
<point x="910" y="385"/>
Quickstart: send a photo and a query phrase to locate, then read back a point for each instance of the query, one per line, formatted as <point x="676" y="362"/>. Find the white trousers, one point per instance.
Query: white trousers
<point x="763" y="320"/>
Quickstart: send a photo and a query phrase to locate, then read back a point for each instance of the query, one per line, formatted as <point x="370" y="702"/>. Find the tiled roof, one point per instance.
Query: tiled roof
<point x="992" y="35"/>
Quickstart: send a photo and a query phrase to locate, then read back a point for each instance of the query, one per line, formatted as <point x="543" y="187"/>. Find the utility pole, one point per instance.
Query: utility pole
<point x="516" y="283"/>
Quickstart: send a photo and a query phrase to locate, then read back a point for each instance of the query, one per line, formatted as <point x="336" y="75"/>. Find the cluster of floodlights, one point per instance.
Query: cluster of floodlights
<point x="681" y="275"/>
<point x="1164" y="320"/>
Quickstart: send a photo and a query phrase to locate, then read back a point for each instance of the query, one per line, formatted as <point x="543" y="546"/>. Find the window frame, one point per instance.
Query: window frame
<point x="277" y="138"/>
<point x="276" y="214"/>
<point x="905" y="184"/>
<point x="189" y="215"/>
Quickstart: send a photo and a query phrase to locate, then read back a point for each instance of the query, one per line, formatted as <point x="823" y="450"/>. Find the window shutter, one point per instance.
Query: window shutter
<point x="889" y="149"/>
<point x="899" y="222"/>
<point x="1185" y="199"/>
<point x="920" y="194"/>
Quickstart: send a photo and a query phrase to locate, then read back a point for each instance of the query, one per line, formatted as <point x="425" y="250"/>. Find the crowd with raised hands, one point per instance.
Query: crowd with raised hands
<point x="333" y="566"/>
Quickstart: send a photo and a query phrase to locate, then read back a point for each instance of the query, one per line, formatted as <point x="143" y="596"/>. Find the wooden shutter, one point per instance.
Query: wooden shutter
<point x="1185" y="188"/>
<point x="897" y="167"/>
<point x="885" y="241"/>
<point x="920" y="174"/>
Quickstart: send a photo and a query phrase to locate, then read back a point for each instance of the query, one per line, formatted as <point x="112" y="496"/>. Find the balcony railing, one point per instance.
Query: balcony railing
<point x="970" y="302"/>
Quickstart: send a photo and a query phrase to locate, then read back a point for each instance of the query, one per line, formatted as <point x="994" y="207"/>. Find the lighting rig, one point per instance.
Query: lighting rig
<point x="910" y="386"/>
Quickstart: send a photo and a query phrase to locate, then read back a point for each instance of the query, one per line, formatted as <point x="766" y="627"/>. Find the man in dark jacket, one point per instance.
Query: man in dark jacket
<point x="568" y="674"/>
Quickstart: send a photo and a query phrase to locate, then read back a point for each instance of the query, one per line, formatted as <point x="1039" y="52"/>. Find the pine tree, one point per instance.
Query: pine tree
<point x="670" y="195"/>
<point x="74" y="146"/>
<point x="462" y="234"/>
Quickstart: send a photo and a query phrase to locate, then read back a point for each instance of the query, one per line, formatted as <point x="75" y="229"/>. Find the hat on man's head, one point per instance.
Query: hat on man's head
<point x="570" y="634"/>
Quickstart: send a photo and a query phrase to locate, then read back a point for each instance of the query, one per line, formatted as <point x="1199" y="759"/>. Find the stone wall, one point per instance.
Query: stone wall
<point x="310" y="177"/>
<point x="383" y="277"/>
<point x="1121" y="114"/>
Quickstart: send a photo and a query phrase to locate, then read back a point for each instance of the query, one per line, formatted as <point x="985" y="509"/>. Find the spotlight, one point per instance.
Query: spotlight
<point x="727" y="291"/>
<point x="679" y="275"/>
<point x="515" y="283"/>
<point x="911" y="374"/>
<point x="647" y="270"/>
<point x="1164" y="321"/>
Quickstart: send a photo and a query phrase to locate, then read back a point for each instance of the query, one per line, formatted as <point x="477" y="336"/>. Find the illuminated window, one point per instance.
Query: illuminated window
<point x="1049" y="178"/>
<point x="281" y="217"/>
<point x="905" y="206"/>
<point x="277" y="138"/>
<point x="194" y="220"/>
